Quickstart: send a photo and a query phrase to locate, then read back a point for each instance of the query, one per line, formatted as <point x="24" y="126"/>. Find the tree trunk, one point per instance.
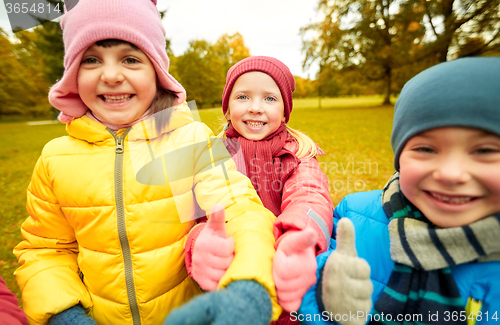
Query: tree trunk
<point x="450" y="27"/>
<point x="443" y="55"/>
<point x="387" y="92"/>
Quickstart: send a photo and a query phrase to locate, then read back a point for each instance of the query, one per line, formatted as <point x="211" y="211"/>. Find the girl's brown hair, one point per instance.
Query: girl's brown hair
<point x="164" y="100"/>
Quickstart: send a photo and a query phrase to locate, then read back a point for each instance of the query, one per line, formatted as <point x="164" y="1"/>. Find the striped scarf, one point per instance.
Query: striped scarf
<point x="421" y="284"/>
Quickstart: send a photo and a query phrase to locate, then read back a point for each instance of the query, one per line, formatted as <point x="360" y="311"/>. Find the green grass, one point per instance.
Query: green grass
<point x="21" y="145"/>
<point x="21" y="118"/>
<point x="354" y="133"/>
<point x="342" y="102"/>
<point x="356" y="141"/>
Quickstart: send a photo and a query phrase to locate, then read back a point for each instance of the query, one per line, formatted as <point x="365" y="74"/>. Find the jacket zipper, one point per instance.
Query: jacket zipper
<point x="122" y="229"/>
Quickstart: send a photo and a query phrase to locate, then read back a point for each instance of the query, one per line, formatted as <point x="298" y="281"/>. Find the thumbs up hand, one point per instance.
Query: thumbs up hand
<point x="294" y="267"/>
<point x="213" y="252"/>
<point x="346" y="285"/>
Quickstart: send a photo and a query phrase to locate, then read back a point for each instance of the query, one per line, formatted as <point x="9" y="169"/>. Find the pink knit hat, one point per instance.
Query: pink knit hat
<point x="271" y="66"/>
<point x="134" y="21"/>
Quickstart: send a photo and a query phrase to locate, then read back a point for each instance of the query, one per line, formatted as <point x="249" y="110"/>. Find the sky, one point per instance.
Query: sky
<point x="268" y="27"/>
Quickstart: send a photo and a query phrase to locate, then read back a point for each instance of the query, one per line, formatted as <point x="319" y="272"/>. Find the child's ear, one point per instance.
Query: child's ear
<point x="283" y="119"/>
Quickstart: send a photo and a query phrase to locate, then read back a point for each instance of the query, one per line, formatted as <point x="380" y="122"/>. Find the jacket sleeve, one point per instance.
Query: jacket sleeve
<point x="49" y="274"/>
<point x="305" y="189"/>
<point x="189" y="247"/>
<point x="311" y="310"/>
<point x="247" y="220"/>
<point x="489" y="284"/>
<point x="10" y="313"/>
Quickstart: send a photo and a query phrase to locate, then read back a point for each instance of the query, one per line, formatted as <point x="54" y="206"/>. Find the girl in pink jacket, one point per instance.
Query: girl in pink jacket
<point x="10" y="313"/>
<point x="281" y="164"/>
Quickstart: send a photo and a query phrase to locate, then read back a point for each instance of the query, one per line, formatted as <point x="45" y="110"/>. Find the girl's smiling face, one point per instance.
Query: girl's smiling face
<point x="255" y="107"/>
<point x="117" y="83"/>
<point x="452" y="174"/>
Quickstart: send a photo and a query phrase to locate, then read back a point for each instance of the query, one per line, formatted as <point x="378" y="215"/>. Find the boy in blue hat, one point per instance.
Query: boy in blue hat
<point x="426" y="248"/>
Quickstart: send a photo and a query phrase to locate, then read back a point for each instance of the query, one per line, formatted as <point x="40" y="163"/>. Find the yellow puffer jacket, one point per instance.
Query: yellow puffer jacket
<point x="98" y="237"/>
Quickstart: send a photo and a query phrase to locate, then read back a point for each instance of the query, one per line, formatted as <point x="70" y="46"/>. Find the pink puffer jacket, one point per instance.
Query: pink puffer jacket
<point x="305" y="203"/>
<point x="306" y="189"/>
<point x="10" y="313"/>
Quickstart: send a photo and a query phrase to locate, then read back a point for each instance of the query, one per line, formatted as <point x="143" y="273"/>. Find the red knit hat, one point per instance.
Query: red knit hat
<point x="270" y="66"/>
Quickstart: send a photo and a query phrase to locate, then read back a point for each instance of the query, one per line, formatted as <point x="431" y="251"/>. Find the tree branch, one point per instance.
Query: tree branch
<point x="480" y="50"/>
<point x="479" y="11"/>
<point x="430" y="18"/>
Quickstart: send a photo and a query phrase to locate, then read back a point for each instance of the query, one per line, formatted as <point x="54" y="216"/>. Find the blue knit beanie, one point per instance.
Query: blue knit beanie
<point x="463" y="92"/>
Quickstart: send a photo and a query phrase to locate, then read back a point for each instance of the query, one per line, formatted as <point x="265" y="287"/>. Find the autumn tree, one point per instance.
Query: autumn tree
<point x="202" y="68"/>
<point x="40" y="52"/>
<point x="304" y="88"/>
<point x="231" y="49"/>
<point x="23" y="87"/>
<point x="8" y="68"/>
<point x="459" y="28"/>
<point x="45" y="43"/>
<point x="374" y="36"/>
<point x="395" y="39"/>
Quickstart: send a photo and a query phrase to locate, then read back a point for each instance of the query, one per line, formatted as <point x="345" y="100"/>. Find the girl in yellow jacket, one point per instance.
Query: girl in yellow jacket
<point x="111" y="204"/>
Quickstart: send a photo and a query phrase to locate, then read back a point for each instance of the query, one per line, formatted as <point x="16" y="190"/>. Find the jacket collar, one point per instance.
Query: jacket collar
<point x="85" y="128"/>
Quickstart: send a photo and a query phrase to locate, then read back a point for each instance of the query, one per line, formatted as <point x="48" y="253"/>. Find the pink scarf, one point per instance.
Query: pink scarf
<point x="268" y="165"/>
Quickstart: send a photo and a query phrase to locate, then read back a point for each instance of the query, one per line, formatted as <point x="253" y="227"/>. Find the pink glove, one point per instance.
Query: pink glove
<point x="213" y="252"/>
<point x="294" y="267"/>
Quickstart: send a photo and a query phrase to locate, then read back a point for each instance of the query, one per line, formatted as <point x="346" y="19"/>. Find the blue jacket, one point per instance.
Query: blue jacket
<point x="480" y="281"/>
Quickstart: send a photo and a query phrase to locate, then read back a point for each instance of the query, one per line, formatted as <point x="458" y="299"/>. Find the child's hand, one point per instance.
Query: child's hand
<point x="346" y="278"/>
<point x="243" y="302"/>
<point x="213" y="252"/>
<point x="294" y="267"/>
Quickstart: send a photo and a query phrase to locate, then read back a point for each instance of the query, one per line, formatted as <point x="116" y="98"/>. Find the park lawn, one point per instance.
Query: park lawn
<point x="21" y="145"/>
<point x="354" y="133"/>
<point x="342" y="102"/>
